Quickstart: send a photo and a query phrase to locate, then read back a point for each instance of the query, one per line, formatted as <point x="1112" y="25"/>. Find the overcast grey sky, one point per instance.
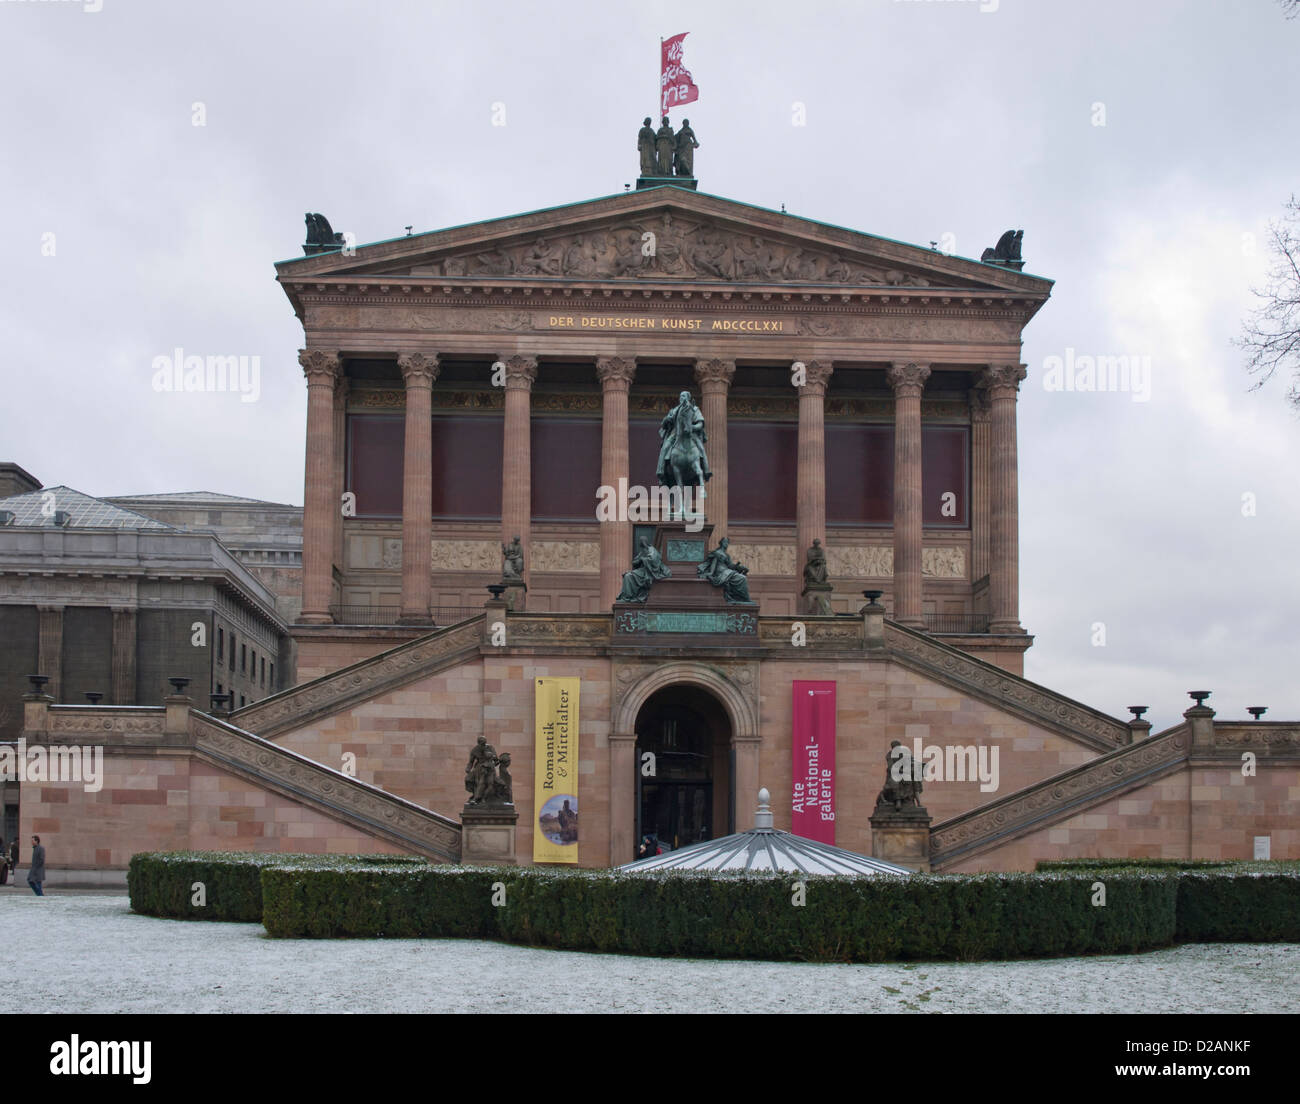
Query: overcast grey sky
<point x="923" y="118"/>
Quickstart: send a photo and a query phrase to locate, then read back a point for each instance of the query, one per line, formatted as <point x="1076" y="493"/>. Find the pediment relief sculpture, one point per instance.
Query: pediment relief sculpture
<point x="667" y="246"/>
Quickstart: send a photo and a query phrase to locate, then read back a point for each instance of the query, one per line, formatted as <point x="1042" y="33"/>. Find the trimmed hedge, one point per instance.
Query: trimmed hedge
<point x="988" y="916"/>
<point x="1149" y="904"/>
<point x="1239" y="907"/>
<point x="1087" y="866"/>
<point x="320" y="901"/>
<point x="160" y="883"/>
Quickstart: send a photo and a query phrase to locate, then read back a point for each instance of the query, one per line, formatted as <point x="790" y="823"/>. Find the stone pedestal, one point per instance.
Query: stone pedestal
<point x="488" y="834"/>
<point x="817" y="598"/>
<point x="514" y="594"/>
<point x="643" y="182"/>
<point x="902" y="836"/>
<point x="685" y="610"/>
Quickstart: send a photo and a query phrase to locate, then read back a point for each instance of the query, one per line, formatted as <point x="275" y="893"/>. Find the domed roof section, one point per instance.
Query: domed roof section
<point x="767" y="849"/>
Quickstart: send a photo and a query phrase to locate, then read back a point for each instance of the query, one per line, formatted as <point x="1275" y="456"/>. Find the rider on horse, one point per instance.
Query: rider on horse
<point x="682" y="459"/>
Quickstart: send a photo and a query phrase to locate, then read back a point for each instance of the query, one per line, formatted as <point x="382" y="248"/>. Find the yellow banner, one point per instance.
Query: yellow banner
<point x="555" y="782"/>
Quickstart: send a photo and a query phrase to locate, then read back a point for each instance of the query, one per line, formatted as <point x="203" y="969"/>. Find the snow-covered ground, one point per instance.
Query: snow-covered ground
<point x="92" y="954"/>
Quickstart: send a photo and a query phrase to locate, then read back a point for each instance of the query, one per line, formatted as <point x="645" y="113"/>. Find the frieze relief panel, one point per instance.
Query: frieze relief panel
<point x="467" y="555"/>
<point x="877" y="562"/>
<point x="765" y="559"/>
<point x="566" y="556"/>
<point x="1264" y="738"/>
<point x="668" y="246"/>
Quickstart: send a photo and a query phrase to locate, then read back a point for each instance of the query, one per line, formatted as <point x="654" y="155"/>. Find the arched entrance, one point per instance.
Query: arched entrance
<point x="684" y="792"/>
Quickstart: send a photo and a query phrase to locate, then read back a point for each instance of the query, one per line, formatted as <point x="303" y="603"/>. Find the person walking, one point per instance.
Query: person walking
<point x="4" y="862"/>
<point x="36" y="870"/>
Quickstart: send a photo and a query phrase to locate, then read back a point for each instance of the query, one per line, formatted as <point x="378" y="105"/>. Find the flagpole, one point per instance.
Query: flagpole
<point x="659" y="85"/>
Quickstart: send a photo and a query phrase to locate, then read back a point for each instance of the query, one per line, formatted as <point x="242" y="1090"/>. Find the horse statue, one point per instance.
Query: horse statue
<point x="682" y="459"/>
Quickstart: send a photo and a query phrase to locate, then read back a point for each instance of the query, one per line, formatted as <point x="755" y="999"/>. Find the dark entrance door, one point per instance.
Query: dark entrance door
<point x="676" y="805"/>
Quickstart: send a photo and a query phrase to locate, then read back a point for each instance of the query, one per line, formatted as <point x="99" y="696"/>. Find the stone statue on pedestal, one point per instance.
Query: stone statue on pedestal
<point x="647" y="566"/>
<point x="902" y="780"/>
<point x="512" y="565"/>
<point x="487" y="776"/>
<point x="814" y="570"/>
<point x="816" y="585"/>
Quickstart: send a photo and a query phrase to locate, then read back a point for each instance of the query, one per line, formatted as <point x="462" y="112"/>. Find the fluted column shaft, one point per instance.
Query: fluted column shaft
<point x="1002" y="381"/>
<point x="810" y="480"/>
<point x="123" y="661"/>
<point x="340" y="461"/>
<point x="616" y="375"/>
<point x="714" y="378"/>
<point x="419" y="370"/>
<point x="319" y="507"/>
<point x="516" y="468"/>
<point x="908" y="381"/>
<point x="979" y="505"/>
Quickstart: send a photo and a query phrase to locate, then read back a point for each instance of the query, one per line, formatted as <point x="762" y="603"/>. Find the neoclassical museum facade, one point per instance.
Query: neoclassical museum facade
<point x="495" y="381"/>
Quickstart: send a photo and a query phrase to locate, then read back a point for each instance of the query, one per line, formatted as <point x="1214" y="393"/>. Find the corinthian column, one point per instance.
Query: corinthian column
<point x="907" y="380"/>
<point x="714" y="378"/>
<point x="1002" y="381"/>
<point x="615" y="374"/>
<point x="319" y="507"/>
<point x="810" y="510"/>
<point x="979" y="505"/>
<point x="419" y="370"/>
<point x="516" y="468"/>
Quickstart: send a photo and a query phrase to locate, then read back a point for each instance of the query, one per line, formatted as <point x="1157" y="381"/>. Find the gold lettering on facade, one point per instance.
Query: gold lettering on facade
<point x="663" y="325"/>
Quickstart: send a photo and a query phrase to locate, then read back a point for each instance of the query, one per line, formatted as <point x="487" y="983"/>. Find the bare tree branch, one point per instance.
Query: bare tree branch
<point x="1271" y="335"/>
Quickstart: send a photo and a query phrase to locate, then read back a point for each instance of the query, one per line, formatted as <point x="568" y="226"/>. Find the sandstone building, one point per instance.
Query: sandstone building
<point x="474" y="384"/>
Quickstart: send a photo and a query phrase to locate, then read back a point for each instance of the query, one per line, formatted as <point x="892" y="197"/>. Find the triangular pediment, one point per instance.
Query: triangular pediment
<point x="663" y="235"/>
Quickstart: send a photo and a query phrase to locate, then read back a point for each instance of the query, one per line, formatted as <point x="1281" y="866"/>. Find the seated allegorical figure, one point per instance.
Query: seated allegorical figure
<point x="722" y="571"/>
<point x="647" y="566"/>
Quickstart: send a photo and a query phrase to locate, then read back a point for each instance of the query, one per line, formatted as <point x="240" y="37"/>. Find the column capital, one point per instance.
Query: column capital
<point x="817" y="373"/>
<point x="615" y="373"/>
<point x="715" y="373"/>
<point x="521" y="373"/>
<point x="418" y="369"/>
<point x="1002" y="380"/>
<point x="907" y="378"/>
<point x="320" y="366"/>
<point x="341" y="384"/>
<point x="979" y="404"/>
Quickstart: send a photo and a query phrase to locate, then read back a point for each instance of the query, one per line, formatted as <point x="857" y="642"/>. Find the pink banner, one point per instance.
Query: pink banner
<point x="812" y="739"/>
<point x="675" y="84"/>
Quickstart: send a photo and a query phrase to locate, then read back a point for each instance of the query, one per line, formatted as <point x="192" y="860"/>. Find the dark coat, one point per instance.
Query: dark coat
<point x="36" y="872"/>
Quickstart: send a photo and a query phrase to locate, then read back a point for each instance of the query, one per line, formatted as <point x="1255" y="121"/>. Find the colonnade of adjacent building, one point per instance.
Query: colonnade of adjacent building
<point x="993" y="491"/>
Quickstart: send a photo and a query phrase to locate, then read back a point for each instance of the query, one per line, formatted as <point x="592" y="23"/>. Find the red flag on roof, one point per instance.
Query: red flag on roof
<point x="675" y="84"/>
